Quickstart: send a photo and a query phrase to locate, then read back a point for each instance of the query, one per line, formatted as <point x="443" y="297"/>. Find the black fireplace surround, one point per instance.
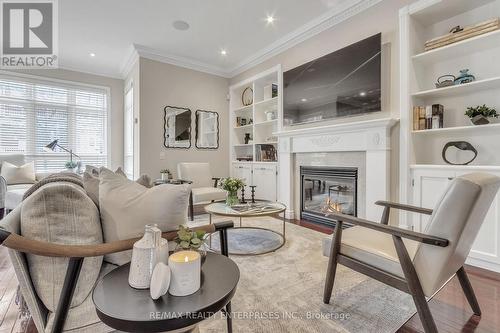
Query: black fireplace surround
<point x="318" y="184"/>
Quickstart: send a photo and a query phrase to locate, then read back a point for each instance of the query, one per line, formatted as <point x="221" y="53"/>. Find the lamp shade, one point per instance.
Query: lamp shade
<point x="51" y="146"/>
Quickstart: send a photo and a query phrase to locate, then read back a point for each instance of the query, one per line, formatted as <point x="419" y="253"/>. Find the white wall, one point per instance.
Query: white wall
<point x="116" y="103"/>
<point x="163" y="84"/>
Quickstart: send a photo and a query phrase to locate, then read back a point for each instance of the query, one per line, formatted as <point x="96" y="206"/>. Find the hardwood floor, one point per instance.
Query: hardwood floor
<point x="449" y="307"/>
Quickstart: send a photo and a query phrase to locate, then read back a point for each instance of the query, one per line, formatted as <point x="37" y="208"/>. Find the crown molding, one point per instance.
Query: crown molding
<point x="96" y="73"/>
<point x="152" y="54"/>
<point x="308" y="30"/>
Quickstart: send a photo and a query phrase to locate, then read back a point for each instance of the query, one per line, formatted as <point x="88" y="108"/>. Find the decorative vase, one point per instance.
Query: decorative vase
<point x="247" y="138"/>
<point x="232" y="198"/>
<point x="148" y="251"/>
<point x="465" y="77"/>
<point x="164" y="176"/>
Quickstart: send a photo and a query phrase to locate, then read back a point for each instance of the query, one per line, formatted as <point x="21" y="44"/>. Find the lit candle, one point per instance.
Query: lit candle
<point x="185" y="267"/>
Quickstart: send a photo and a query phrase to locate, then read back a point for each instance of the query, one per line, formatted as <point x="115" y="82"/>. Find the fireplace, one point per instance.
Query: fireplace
<point x="335" y="187"/>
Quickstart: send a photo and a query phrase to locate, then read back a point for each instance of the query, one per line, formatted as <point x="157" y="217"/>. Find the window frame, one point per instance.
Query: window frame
<point x="107" y="89"/>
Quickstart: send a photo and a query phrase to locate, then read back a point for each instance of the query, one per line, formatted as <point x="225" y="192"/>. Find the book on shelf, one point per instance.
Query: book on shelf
<point x="428" y="117"/>
<point x="266" y="153"/>
<point x="465" y="33"/>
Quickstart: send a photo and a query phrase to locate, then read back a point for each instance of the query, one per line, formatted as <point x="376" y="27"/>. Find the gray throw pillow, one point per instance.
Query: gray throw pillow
<point x="61" y="213"/>
<point x="91" y="183"/>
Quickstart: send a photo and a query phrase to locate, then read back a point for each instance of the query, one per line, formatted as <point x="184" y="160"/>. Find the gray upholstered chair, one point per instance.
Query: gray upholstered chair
<point x="203" y="187"/>
<point x="417" y="263"/>
<point x="72" y="307"/>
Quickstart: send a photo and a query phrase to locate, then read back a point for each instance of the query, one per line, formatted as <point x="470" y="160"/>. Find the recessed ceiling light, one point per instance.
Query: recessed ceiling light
<point x="92" y="55"/>
<point x="362" y="94"/>
<point x="303" y="100"/>
<point x="270" y="19"/>
<point x="223" y="52"/>
<point x="180" y="25"/>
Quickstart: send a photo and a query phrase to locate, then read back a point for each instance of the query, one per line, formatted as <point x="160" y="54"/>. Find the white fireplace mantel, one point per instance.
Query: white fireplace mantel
<point x="371" y="137"/>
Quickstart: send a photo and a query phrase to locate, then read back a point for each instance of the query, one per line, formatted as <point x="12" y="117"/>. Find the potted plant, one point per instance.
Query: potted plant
<point x="479" y="115"/>
<point x="232" y="185"/>
<point x="71" y="166"/>
<point x="165" y="174"/>
<point x="191" y="240"/>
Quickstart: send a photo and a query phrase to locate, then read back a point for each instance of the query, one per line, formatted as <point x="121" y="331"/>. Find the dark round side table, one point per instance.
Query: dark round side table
<point x="126" y="309"/>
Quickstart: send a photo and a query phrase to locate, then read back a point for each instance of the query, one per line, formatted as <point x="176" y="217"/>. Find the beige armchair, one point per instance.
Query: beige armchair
<point x="203" y="186"/>
<point x="417" y="263"/>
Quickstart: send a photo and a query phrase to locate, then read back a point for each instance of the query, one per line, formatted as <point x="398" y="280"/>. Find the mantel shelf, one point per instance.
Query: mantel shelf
<point x="461" y="89"/>
<point x="472" y="45"/>
<point x="468" y="129"/>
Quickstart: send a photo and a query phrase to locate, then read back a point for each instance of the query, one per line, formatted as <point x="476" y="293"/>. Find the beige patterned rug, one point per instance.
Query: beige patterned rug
<point x="282" y="292"/>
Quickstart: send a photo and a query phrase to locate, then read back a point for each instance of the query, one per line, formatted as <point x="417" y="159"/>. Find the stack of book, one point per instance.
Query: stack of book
<point x="428" y="117"/>
<point x="467" y="32"/>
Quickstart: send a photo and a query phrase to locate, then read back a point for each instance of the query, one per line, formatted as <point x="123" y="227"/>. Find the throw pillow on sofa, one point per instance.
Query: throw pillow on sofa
<point x="126" y="207"/>
<point x="91" y="183"/>
<point x="13" y="174"/>
<point x="62" y="213"/>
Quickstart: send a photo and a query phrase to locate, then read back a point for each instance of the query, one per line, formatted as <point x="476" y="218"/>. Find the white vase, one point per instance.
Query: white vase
<point x="148" y="251"/>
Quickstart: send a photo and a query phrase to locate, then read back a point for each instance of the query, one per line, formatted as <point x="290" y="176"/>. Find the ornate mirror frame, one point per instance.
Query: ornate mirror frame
<point x="198" y="130"/>
<point x="186" y="144"/>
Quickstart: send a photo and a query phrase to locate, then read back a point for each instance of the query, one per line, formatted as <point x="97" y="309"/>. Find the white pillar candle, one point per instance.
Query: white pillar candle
<point x="185" y="267"/>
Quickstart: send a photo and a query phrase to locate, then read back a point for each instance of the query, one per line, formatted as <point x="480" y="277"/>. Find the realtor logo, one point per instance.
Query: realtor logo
<point x="29" y="34"/>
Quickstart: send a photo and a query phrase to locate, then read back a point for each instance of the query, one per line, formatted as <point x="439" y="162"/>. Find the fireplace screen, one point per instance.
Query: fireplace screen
<point x="328" y="186"/>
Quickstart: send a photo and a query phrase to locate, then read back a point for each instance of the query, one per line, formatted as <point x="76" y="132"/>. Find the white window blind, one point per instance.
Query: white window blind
<point x="34" y="112"/>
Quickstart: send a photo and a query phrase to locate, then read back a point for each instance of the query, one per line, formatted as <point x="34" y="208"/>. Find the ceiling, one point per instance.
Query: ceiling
<point x="111" y="30"/>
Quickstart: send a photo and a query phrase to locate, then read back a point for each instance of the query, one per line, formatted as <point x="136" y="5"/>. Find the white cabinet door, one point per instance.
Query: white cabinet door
<point x="243" y="171"/>
<point x="428" y="187"/>
<point x="264" y="177"/>
<point x="486" y="248"/>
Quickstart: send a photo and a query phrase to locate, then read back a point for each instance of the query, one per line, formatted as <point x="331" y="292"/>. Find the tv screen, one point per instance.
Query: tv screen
<point x="343" y="83"/>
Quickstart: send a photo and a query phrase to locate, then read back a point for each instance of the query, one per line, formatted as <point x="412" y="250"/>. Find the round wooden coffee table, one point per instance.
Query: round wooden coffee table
<point x="273" y="209"/>
<point x="131" y="310"/>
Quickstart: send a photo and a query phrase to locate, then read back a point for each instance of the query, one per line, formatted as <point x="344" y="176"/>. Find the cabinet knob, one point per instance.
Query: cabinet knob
<point x="451" y="178"/>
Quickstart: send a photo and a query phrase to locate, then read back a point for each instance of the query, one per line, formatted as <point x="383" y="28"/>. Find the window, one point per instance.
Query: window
<point x="128" y="133"/>
<point x="34" y="112"/>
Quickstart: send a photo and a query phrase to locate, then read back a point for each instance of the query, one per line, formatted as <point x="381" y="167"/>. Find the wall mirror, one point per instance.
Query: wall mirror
<point x="177" y="131"/>
<point x="207" y="129"/>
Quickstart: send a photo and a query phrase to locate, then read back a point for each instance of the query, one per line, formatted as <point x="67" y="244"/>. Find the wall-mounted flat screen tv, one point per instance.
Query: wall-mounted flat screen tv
<point x="346" y="82"/>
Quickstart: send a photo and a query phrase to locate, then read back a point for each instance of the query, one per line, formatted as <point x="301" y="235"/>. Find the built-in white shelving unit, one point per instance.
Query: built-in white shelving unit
<point x="260" y="128"/>
<point x="424" y="175"/>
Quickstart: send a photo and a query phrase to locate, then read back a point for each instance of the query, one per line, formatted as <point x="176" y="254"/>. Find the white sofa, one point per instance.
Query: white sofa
<point x="12" y="195"/>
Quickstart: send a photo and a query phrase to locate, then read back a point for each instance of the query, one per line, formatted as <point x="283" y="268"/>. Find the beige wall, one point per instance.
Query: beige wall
<point x="115" y="143"/>
<point x="163" y="84"/>
<point x="380" y="18"/>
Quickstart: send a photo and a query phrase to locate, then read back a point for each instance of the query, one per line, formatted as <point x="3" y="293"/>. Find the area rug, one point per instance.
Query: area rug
<point x="282" y="291"/>
<point x="249" y="241"/>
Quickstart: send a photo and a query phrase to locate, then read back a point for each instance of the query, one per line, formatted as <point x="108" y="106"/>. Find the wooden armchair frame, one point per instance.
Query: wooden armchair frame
<point x="410" y="283"/>
<point x="77" y="253"/>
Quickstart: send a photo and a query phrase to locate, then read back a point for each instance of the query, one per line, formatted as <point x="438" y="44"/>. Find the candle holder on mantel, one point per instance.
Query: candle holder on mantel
<point x="253" y="192"/>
